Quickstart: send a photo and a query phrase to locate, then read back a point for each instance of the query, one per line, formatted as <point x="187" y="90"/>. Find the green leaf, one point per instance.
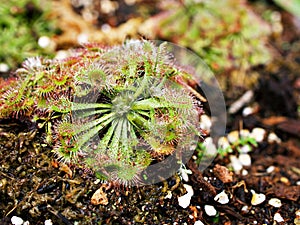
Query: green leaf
<point x="292" y="6"/>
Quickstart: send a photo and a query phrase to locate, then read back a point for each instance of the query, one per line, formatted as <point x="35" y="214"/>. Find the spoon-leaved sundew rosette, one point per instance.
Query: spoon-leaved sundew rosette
<point x="130" y="112"/>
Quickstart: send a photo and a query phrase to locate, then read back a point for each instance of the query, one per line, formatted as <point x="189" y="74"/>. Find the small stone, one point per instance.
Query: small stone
<point x="258" y="134"/>
<point x="275" y="202"/>
<point x="44" y="42"/>
<point x="205" y="123"/>
<point x="278" y="218"/>
<point x="245" y="149"/>
<point x="48" y="222"/>
<point x="223" y="173"/>
<point x="284" y="180"/>
<point x="245" y="159"/>
<point x="4" y="67"/>
<point x="26" y="223"/>
<point x="97" y="181"/>
<point x="210" y="210"/>
<point x="210" y="147"/>
<point x="233" y="136"/>
<point x="82" y="38"/>
<point x="235" y="163"/>
<point x="270" y="169"/>
<point x="298" y="183"/>
<point x="169" y="195"/>
<point x="223" y="143"/>
<point x="257" y="198"/>
<point x="248" y="111"/>
<point x="244" y="133"/>
<point x="244" y="172"/>
<point x="245" y="209"/>
<point x="198" y="222"/>
<point x="297" y="213"/>
<point x="222" y="198"/>
<point x="273" y="138"/>
<point x="15" y="220"/>
<point x="189" y="189"/>
<point x="184" y="201"/>
<point x="106" y="28"/>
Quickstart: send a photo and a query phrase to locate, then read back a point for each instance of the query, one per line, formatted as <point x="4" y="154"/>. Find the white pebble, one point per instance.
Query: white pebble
<point x="189" y="189"/>
<point x="270" y="169"/>
<point x="244" y="172"/>
<point x="223" y="143"/>
<point x="198" y="222"/>
<point x="210" y="210"/>
<point x="82" y="38"/>
<point x="245" y="159"/>
<point x="298" y="183"/>
<point x="235" y="163"/>
<point x="273" y="138"/>
<point x="184" y="200"/>
<point x="97" y="181"/>
<point x="169" y="195"/>
<point x="233" y="136"/>
<point x="247" y="111"/>
<point x="244" y="133"/>
<point x="15" y="220"/>
<point x="26" y="223"/>
<point x="257" y="198"/>
<point x="205" y="123"/>
<point x="278" y="218"/>
<point x="245" y="149"/>
<point x="210" y="146"/>
<point x="222" y="198"/>
<point x="44" y="42"/>
<point x="48" y="222"/>
<point x="106" y="28"/>
<point x="245" y="209"/>
<point x="258" y="134"/>
<point x="275" y="202"/>
<point x="4" y="67"/>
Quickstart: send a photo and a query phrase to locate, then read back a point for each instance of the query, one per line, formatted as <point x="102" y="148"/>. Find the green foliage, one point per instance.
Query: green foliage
<point x="236" y="146"/>
<point x="113" y="113"/>
<point x="225" y="33"/>
<point x="292" y="6"/>
<point x="22" y="22"/>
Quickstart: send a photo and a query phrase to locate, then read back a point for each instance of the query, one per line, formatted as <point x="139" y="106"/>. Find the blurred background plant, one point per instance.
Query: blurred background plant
<point x="292" y="6"/>
<point x="226" y="34"/>
<point x="22" y="24"/>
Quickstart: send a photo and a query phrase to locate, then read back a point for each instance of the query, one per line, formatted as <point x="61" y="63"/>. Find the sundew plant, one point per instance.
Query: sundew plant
<point x="117" y="110"/>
